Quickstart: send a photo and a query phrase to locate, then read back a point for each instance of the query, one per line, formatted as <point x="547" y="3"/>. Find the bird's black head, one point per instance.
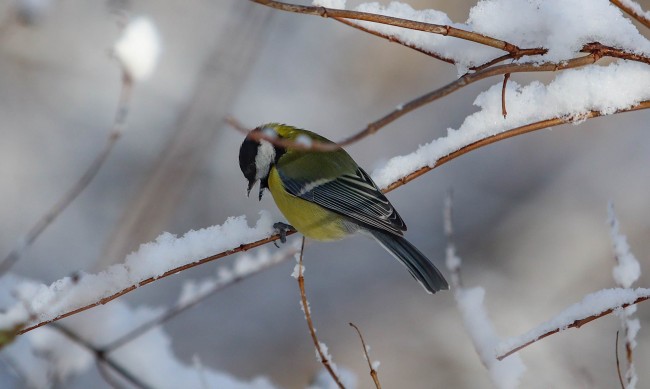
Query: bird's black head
<point x="247" y="154"/>
<point x="256" y="156"/>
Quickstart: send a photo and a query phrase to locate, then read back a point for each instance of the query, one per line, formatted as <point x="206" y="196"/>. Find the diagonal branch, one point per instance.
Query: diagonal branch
<point x="575" y="324"/>
<point x="392" y="21"/>
<point x="635" y="12"/>
<point x="88" y="176"/>
<point x="504" y="135"/>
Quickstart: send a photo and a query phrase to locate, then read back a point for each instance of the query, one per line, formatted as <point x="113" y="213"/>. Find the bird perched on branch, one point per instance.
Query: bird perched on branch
<point x="326" y="196"/>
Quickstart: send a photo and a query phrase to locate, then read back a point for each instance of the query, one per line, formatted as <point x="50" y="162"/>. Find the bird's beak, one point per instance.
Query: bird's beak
<point x="251" y="183"/>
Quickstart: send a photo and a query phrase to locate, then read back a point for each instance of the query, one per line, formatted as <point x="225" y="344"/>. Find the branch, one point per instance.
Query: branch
<point x="504" y="112"/>
<point x="618" y="364"/>
<point x="392" y="21"/>
<point x="51" y="215"/>
<point x="524" y="341"/>
<point x="373" y="372"/>
<point x="396" y="184"/>
<point x="505" y="135"/>
<point x="312" y="331"/>
<point x="635" y="12"/>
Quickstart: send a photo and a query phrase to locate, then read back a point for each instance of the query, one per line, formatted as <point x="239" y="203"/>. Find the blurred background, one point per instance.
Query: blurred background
<point x="530" y="212"/>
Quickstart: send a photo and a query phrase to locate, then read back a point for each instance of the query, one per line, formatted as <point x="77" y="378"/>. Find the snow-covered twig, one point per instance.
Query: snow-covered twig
<point x="633" y="9"/>
<point x="371" y="365"/>
<point x="626" y="272"/>
<point x="593" y="306"/>
<point x="502" y="136"/>
<point x="444" y="30"/>
<point x="321" y="348"/>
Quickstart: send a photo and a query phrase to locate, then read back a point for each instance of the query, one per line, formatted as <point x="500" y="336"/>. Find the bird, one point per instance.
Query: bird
<point x="326" y="196"/>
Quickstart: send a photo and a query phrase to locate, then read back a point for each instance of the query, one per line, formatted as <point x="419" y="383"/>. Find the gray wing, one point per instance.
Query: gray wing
<point x="352" y="195"/>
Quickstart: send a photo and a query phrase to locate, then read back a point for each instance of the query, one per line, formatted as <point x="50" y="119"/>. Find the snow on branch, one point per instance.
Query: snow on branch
<point x="558" y="26"/>
<point x="163" y="257"/>
<point x="626" y="272"/>
<point x="42" y="354"/>
<point x="633" y="9"/>
<point x="592" y="307"/>
<point x="571" y="97"/>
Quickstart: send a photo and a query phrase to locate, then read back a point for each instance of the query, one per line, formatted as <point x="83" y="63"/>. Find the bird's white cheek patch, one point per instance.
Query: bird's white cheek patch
<point x="264" y="158"/>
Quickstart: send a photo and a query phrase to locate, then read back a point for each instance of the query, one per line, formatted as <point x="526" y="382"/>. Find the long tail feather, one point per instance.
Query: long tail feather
<point x="418" y="265"/>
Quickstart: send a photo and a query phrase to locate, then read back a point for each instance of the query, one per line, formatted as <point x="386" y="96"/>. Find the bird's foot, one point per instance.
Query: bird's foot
<point x="282" y="229"/>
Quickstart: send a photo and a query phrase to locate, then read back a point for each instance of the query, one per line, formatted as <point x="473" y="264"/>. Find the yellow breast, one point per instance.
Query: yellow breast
<point x="309" y="219"/>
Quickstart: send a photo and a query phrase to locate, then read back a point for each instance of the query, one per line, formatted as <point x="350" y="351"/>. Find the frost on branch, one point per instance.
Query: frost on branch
<point x="571" y="94"/>
<point x="591" y="305"/>
<point x="626" y="272"/>
<point x="152" y="259"/>
<point x="563" y="27"/>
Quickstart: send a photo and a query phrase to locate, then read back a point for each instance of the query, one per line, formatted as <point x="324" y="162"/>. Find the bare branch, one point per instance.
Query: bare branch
<point x="51" y="215"/>
<point x="504" y="112"/>
<point x="618" y="363"/>
<point x="397" y="40"/>
<point x="312" y="331"/>
<point x="389" y="20"/>
<point x="373" y="372"/>
<point x="641" y="18"/>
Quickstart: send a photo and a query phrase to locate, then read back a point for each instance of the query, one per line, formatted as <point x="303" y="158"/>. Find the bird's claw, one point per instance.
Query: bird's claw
<point x="282" y="229"/>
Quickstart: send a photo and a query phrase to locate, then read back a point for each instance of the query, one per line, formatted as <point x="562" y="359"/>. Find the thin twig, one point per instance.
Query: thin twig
<point x="393" y="21"/>
<point x="373" y="372"/>
<point x="105" y="372"/>
<point x="618" y="363"/>
<point x="312" y="331"/>
<point x="576" y="324"/>
<point x="100" y="355"/>
<point x="397" y="40"/>
<point x="504" y="112"/>
<point x="641" y="18"/>
<point x="520" y="54"/>
<point x="51" y="215"/>
<point x="608" y="51"/>
<point x="402" y="181"/>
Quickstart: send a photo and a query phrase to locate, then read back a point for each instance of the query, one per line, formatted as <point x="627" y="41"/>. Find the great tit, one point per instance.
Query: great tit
<point x="326" y="196"/>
